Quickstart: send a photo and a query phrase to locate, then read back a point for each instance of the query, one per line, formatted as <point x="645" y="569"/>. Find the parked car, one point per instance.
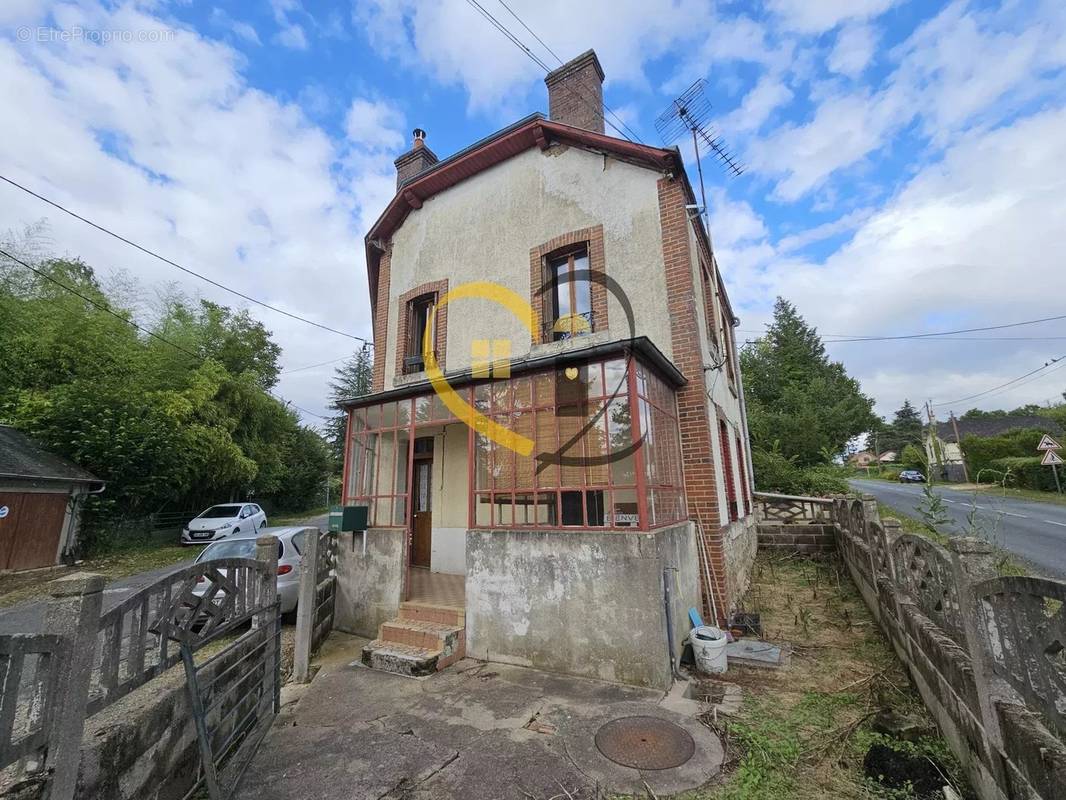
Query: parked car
<point x="290" y="548"/>
<point x="911" y="476"/>
<point x="227" y="519"/>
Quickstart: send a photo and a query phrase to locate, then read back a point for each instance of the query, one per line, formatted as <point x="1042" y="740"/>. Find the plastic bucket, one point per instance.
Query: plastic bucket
<point x="708" y="647"/>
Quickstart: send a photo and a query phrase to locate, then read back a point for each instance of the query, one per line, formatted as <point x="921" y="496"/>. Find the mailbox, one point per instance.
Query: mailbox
<point x="353" y="517"/>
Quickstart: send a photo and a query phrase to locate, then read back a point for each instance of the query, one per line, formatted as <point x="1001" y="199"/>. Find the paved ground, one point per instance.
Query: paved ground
<point x="1033" y="530"/>
<point x="475" y="731"/>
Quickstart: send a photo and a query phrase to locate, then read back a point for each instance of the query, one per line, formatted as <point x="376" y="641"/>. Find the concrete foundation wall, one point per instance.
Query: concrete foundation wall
<point x="588" y="603"/>
<point x="740" y="541"/>
<point x="806" y="539"/>
<point x="370" y="585"/>
<point x="448" y="554"/>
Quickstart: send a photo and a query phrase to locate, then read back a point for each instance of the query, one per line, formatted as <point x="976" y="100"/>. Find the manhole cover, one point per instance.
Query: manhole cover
<point x="645" y="743"/>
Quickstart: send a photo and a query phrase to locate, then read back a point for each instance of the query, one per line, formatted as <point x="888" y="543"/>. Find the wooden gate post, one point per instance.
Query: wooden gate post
<point x="73" y="614"/>
<point x="305" y="610"/>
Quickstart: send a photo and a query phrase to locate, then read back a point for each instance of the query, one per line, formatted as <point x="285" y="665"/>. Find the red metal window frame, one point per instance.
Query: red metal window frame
<point x="745" y="487"/>
<point x="727" y="468"/>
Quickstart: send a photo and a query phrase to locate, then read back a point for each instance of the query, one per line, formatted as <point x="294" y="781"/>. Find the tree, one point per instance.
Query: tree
<point x="800" y="403"/>
<point x="351" y="379"/>
<point x="905" y="429"/>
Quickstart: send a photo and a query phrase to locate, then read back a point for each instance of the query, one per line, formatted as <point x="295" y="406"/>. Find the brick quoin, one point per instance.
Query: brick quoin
<point x="694" y="412"/>
<point x="538" y="275"/>
<point x="440" y="332"/>
<point x="381" y="320"/>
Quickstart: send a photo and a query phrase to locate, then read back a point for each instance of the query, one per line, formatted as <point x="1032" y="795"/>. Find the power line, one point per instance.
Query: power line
<point x="312" y="366"/>
<point x="1004" y="385"/>
<point x="540" y="63"/>
<point x="141" y="328"/>
<point x="176" y="265"/>
<point x="606" y="107"/>
<point x="853" y="338"/>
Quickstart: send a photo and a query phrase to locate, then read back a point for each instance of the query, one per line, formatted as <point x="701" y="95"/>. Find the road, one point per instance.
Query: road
<point x="28" y="616"/>
<point x="1032" y="530"/>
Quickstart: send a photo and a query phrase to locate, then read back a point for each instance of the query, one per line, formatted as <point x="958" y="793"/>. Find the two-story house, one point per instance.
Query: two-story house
<point x="555" y="453"/>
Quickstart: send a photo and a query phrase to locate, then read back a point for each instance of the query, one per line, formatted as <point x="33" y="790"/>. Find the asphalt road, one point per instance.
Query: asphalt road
<point x="1032" y="530"/>
<point x="28" y="617"/>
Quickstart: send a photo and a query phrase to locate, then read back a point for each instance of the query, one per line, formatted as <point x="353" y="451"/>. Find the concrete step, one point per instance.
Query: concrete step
<point x="431" y="612"/>
<point x="402" y="659"/>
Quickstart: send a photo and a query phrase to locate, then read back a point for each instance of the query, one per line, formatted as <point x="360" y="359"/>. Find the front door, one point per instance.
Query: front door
<point x="422" y="514"/>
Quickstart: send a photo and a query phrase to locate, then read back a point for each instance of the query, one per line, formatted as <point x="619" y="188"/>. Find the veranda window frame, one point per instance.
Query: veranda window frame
<point x="427" y="410"/>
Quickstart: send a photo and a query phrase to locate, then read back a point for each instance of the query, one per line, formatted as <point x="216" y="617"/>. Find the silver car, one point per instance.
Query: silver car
<point x="223" y="520"/>
<point x="290" y="548"/>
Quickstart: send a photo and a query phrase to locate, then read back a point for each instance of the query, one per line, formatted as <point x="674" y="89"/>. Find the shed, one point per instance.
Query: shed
<point x="40" y="500"/>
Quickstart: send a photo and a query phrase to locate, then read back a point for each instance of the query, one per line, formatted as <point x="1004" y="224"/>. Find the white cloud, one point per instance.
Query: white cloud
<point x="377" y="125"/>
<point x="242" y="29"/>
<point x="853" y="50"/>
<point x="167" y="144"/>
<point x="769" y="94"/>
<point x="964" y="243"/>
<point x="733" y="222"/>
<point x="960" y="67"/>
<point x="454" y="45"/>
<point x="817" y="16"/>
<point x="290" y="34"/>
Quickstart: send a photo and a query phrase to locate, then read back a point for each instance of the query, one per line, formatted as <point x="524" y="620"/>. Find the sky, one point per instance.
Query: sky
<point x="905" y="160"/>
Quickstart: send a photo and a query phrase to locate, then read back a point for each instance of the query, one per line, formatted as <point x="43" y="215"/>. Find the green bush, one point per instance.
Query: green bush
<point x="1024" y="472"/>
<point x="775" y="473"/>
<point x="983" y="452"/>
<point x="913" y="457"/>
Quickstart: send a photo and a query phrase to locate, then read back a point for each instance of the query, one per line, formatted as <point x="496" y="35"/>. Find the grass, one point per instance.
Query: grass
<point x="803" y="732"/>
<point x="129" y="559"/>
<point x="1019" y="494"/>
<point x="291" y="519"/>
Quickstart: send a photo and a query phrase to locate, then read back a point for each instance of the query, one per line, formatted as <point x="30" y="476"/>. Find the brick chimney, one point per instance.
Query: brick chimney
<point x="575" y="93"/>
<point x="415" y="160"/>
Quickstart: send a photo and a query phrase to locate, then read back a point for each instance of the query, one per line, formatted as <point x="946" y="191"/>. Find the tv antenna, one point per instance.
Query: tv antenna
<point x="691" y="111"/>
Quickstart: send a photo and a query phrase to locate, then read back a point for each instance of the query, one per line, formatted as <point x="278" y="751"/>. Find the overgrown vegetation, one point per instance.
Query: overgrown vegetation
<point x="803" y="409"/>
<point x="175" y="420"/>
<point x="804" y="732"/>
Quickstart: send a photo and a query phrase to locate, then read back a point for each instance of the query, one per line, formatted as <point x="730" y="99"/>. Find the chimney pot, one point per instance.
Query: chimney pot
<point x="419" y="138"/>
<point x="575" y="93"/>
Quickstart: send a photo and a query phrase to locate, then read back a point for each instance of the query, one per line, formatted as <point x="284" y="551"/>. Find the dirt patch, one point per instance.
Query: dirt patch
<point x="804" y="731"/>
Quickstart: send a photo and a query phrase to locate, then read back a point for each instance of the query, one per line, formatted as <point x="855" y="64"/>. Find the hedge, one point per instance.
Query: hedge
<point x="1026" y="472"/>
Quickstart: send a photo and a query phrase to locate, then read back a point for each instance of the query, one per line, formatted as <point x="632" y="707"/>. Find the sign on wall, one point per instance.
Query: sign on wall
<point x="4" y="511"/>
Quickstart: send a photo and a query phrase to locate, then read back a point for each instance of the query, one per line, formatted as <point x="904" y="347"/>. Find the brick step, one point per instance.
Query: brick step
<point x="402" y="659"/>
<point x="434" y="635"/>
<point x="430" y="612"/>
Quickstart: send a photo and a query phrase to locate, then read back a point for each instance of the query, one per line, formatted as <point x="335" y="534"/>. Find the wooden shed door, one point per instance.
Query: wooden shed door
<point x="29" y="534"/>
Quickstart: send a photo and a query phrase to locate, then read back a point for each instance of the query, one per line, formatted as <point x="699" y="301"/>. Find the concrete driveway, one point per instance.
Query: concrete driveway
<point x="476" y="731"/>
<point x="1034" y="531"/>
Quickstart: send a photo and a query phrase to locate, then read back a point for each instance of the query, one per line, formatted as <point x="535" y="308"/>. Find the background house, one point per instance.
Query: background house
<point x="40" y="497"/>
<point x="944" y="450"/>
<point x="863" y="458"/>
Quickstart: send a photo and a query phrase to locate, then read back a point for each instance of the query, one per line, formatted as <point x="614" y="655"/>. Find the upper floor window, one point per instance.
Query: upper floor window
<point x="571" y="294"/>
<point x="708" y="305"/>
<point x="419" y="311"/>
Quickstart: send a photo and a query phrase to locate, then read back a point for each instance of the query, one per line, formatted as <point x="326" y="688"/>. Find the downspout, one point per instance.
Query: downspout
<point x="670" y="644"/>
<point x="747" y="436"/>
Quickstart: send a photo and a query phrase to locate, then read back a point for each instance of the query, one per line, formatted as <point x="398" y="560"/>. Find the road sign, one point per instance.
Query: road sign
<point x="1051" y="459"/>
<point x="1047" y="443"/>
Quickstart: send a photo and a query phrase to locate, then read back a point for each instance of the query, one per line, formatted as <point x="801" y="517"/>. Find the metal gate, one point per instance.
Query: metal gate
<point x="234" y="694"/>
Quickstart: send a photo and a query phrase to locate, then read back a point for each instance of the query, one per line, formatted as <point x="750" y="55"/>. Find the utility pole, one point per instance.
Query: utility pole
<point x="934" y="459"/>
<point x="958" y="441"/>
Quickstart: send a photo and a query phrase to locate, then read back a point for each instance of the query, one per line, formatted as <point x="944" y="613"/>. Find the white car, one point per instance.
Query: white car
<point x="227" y="519"/>
<point x="290" y="546"/>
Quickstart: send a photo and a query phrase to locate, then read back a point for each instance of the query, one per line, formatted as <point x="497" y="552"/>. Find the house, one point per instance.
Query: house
<point x="41" y="496"/>
<point x="862" y="459"/>
<point x="888" y="457"/>
<point x="944" y="451"/>
<point x="554" y="457"/>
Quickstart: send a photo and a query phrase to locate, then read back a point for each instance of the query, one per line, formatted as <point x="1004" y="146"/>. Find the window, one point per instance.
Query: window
<point x="419" y="312"/>
<point x="727" y="470"/>
<point x="571" y="298"/>
<point x="708" y="305"/>
<point x="745" y="495"/>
